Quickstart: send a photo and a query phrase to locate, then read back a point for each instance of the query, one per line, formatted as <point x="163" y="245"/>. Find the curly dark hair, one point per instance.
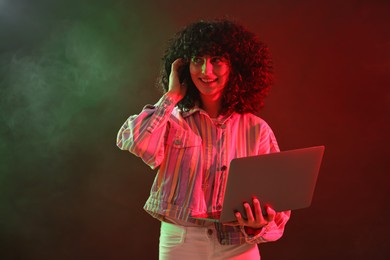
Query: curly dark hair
<point x="251" y="68"/>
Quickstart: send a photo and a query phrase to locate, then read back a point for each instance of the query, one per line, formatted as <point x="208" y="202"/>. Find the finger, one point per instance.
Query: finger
<point x="174" y="80"/>
<point x="248" y="211"/>
<point x="177" y="61"/>
<point x="240" y="221"/>
<point x="177" y="64"/>
<point x="270" y="214"/>
<point x="257" y="208"/>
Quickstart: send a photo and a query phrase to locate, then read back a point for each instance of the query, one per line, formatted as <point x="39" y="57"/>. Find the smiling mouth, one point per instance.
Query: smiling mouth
<point x="208" y="80"/>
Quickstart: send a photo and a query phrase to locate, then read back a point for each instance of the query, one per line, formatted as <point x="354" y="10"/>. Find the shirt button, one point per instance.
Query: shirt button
<point x="209" y="232"/>
<point x="177" y="142"/>
<point x="223" y="126"/>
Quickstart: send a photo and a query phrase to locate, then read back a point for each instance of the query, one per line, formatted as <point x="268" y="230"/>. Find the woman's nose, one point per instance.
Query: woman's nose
<point x="207" y="67"/>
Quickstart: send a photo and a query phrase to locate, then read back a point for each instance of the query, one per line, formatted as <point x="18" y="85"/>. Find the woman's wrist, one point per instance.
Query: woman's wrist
<point x="174" y="96"/>
<point x="253" y="231"/>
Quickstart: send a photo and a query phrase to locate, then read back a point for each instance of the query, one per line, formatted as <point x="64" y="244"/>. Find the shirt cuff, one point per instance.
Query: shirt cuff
<point x="163" y="107"/>
<point x="252" y="235"/>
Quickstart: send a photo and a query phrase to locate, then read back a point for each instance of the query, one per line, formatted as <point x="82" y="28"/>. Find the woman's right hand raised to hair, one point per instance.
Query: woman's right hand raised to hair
<point x="176" y="89"/>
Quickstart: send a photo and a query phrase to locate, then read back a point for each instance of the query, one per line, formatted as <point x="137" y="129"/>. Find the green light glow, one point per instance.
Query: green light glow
<point x="58" y="93"/>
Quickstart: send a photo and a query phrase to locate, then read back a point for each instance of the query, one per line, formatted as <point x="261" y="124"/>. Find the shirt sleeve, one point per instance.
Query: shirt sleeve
<point x="143" y="134"/>
<point x="271" y="232"/>
<point x="267" y="142"/>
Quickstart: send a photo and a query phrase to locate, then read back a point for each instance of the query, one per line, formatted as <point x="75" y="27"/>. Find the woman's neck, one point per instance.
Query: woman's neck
<point x="212" y="107"/>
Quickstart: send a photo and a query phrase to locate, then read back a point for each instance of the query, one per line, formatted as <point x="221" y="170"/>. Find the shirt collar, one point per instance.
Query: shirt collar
<point x="196" y="109"/>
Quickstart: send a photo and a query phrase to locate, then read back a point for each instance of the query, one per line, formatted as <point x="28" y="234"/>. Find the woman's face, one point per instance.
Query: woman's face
<point x="210" y="75"/>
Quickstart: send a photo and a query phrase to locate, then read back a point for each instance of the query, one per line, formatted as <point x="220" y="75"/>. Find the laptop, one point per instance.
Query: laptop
<point x="284" y="180"/>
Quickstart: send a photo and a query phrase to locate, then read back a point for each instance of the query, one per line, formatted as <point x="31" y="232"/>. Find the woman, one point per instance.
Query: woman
<point x="215" y="75"/>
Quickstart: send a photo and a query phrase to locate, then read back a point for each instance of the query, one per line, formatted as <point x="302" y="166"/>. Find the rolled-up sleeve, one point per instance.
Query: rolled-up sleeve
<point x="143" y="134"/>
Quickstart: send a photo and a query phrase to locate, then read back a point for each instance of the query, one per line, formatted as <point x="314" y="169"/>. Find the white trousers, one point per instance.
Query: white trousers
<point x="192" y="243"/>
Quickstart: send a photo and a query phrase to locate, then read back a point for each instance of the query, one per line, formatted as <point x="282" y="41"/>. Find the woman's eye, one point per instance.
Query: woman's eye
<point x="196" y="60"/>
<point x="217" y="60"/>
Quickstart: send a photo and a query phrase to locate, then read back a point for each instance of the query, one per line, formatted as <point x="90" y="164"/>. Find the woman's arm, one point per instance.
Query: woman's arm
<point x="261" y="229"/>
<point x="143" y="134"/>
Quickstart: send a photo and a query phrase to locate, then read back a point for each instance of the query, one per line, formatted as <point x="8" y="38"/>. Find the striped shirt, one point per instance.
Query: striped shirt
<point x="192" y="152"/>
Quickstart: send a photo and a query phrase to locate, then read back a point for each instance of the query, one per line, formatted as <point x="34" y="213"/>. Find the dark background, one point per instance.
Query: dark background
<point x="71" y="72"/>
